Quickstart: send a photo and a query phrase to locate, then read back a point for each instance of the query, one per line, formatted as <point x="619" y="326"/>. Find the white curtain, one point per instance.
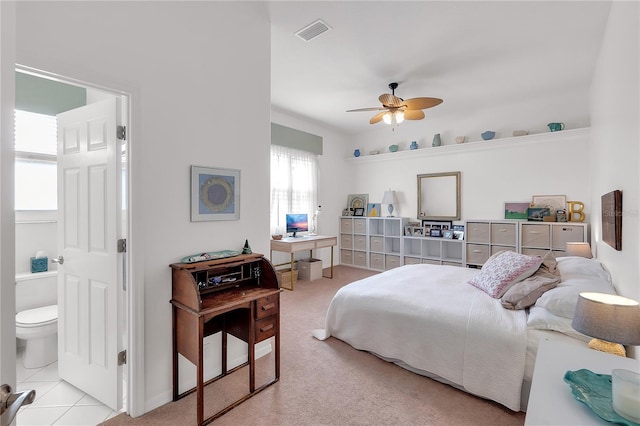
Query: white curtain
<point x="294" y="185"/>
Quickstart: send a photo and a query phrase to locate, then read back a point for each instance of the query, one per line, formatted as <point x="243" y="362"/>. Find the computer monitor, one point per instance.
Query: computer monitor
<point x="297" y="222"/>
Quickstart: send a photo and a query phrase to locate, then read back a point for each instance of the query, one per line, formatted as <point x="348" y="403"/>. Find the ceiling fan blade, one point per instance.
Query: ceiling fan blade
<point x="421" y="103"/>
<point x="377" y="117"/>
<point x="388" y="99"/>
<point x="413" y="114"/>
<point x="367" y="109"/>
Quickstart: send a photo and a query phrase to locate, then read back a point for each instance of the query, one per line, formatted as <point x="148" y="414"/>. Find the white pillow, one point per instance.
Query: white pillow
<point x="577" y="274"/>
<point x="502" y="271"/>
<point x="574" y="266"/>
<point x="542" y="319"/>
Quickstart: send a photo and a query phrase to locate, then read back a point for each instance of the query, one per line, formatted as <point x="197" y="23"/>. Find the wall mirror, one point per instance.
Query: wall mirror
<point x="439" y="196"/>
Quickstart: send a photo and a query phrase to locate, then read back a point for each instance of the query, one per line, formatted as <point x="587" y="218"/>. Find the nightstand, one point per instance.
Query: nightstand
<point x="550" y="400"/>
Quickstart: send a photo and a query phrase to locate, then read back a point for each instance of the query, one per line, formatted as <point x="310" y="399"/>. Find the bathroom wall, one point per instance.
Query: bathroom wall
<point x="35" y="231"/>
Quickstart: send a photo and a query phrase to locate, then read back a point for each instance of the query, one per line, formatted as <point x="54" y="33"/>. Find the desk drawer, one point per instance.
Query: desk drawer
<point x="266" y="328"/>
<point x="327" y="242"/>
<point x="267" y="306"/>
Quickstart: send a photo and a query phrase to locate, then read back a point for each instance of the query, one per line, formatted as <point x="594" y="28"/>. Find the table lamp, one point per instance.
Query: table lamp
<point x="610" y="319"/>
<point x="578" y="249"/>
<point x="390" y="199"/>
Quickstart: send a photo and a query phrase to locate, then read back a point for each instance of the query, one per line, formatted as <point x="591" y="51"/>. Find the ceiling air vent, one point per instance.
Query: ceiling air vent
<point x="313" y="30"/>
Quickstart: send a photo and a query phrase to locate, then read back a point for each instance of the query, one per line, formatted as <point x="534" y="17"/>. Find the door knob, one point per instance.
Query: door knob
<point x="59" y="260"/>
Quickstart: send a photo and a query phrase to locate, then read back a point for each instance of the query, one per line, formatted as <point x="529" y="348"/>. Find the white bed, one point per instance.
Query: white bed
<point x="428" y="319"/>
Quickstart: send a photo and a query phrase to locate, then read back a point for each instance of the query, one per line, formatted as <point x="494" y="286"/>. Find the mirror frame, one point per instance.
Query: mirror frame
<point x="427" y="181"/>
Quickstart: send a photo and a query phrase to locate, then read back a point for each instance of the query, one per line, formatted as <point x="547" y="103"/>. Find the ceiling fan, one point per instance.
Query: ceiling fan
<point x="395" y="109"/>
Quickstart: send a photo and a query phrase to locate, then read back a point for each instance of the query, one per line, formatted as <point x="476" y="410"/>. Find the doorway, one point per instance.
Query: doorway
<point x="118" y="270"/>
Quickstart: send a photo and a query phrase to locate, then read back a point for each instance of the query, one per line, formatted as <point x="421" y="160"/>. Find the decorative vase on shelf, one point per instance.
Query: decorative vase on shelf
<point x="436" y="140"/>
<point x="356" y="153"/>
<point x="393" y="148"/>
<point x="414" y="145"/>
<point x="488" y="135"/>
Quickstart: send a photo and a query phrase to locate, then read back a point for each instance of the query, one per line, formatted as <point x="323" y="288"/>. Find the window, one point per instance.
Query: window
<point x="36" y="167"/>
<point x="294" y="182"/>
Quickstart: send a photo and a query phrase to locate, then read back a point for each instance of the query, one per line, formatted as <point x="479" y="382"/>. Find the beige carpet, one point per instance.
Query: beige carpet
<point x="330" y="383"/>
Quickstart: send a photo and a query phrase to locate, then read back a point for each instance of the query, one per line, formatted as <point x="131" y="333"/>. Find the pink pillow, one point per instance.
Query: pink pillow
<point x="503" y="271"/>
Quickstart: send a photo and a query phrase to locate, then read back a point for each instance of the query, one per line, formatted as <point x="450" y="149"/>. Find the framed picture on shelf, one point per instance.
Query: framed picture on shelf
<point x="552" y="202"/>
<point x="408" y="231"/>
<point x="516" y="210"/>
<point x="447" y="234"/>
<point x="437" y="224"/>
<point x="358" y="201"/>
<point x="537" y="214"/>
<point x="458" y="235"/>
<point x="373" y="209"/>
<point x="215" y="194"/>
<point x="433" y="232"/>
<point x="418" y="231"/>
<point x="358" y="211"/>
<point x="346" y="212"/>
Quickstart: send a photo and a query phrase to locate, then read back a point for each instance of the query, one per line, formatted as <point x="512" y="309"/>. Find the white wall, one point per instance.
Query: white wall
<point x="615" y="138"/>
<point x="492" y="172"/>
<point x="187" y="82"/>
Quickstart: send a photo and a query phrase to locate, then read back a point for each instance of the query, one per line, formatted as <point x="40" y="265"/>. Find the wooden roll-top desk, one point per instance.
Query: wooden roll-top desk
<point x="237" y="295"/>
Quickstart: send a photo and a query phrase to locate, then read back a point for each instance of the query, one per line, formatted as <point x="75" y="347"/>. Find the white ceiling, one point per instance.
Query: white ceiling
<point x="470" y="54"/>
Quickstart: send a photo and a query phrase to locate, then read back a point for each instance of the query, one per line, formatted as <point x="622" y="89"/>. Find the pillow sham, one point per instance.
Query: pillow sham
<point x="502" y="271"/>
<point x="575" y="266"/>
<point x="525" y="293"/>
<point x="562" y="300"/>
<point x="542" y="319"/>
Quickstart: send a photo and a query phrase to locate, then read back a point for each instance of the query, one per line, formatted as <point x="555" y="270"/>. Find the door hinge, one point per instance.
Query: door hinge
<point x="122" y="245"/>
<point x="122" y="357"/>
<point x="121" y="132"/>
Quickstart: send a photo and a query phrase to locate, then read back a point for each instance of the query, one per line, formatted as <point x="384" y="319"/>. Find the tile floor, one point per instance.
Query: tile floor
<point x="57" y="402"/>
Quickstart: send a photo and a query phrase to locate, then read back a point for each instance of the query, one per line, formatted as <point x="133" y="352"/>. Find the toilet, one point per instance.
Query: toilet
<point x="37" y="317"/>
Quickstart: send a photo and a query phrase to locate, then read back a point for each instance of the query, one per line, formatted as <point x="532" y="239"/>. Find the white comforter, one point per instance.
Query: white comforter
<point x="429" y="318"/>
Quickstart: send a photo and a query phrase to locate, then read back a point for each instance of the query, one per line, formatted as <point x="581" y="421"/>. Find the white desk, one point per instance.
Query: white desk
<point x="550" y="400"/>
<point x="309" y="242"/>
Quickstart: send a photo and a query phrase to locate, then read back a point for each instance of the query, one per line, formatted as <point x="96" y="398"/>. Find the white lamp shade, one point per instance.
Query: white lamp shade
<point x="579" y="249"/>
<point x="608" y="317"/>
<point x="389" y="197"/>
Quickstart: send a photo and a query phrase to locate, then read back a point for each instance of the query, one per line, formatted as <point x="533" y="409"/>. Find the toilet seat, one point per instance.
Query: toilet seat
<point x="37" y="317"/>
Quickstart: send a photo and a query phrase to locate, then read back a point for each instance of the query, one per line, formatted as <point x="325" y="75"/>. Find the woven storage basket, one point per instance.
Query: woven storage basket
<point x="284" y="278"/>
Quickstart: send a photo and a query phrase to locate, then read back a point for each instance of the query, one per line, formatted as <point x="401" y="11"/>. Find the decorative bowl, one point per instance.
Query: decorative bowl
<point x="488" y="135"/>
<point x="393" y="148"/>
<point x="276" y="237"/>
<point x="520" y="132"/>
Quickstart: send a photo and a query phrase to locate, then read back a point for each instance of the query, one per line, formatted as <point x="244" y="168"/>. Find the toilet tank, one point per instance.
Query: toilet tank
<point x="36" y="289"/>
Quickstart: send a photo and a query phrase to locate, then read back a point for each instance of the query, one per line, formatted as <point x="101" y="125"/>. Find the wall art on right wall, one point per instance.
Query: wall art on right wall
<point x="612" y="219"/>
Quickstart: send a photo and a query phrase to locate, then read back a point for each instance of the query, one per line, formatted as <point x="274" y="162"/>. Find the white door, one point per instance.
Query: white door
<point x="88" y="285"/>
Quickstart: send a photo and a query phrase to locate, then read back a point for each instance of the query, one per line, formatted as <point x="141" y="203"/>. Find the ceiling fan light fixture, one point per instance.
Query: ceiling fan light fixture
<point x="387" y="117"/>
<point x="399" y="116"/>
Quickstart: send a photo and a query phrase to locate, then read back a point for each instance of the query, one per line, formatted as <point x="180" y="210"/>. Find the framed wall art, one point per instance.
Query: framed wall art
<point x="358" y="211"/>
<point x="215" y="194"/>
<point x="516" y="210"/>
<point x="357" y="201"/>
<point x="537" y="214"/>
<point x="552" y="202"/>
<point x="612" y="219"/>
<point x="373" y="209"/>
